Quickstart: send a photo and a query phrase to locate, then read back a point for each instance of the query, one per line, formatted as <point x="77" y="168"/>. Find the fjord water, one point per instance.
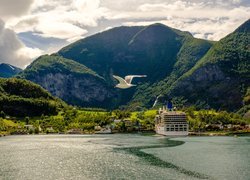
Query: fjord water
<point x="123" y="156"/>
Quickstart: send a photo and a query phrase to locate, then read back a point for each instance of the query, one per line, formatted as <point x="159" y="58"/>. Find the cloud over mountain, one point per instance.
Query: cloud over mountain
<point x="12" y="8"/>
<point x="60" y="19"/>
<point x="66" y="21"/>
<point x="205" y="19"/>
<point x="12" y="50"/>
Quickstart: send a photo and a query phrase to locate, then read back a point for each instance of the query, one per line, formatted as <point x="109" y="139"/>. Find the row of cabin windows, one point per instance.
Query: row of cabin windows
<point x="171" y="122"/>
<point x="175" y="119"/>
<point x="176" y="129"/>
<point x="175" y="122"/>
<point x="176" y="125"/>
<point x="158" y="120"/>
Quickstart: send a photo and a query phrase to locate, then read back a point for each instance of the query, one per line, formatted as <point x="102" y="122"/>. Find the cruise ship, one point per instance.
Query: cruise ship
<point x="171" y="123"/>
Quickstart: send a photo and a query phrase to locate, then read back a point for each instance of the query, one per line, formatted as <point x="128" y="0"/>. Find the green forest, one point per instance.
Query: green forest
<point x="207" y="80"/>
<point x="78" y="120"/>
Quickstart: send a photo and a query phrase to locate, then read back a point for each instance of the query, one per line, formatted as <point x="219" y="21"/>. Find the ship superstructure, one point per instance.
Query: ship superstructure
<point x="171" y="123"/>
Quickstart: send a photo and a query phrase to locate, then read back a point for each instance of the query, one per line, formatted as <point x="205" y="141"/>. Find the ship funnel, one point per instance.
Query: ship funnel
<point x="169" y="105"/>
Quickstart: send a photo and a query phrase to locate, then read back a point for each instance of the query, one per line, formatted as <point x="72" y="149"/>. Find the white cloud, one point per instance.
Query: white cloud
<point x="208" y="20"/>
<point x="60" y="19"/>
<point x="204" y="29"/>
<point x="61" y="30"/>
<point x="236" y="1"/>
<point x="26" y="55"/>
<point x="12" y="50"/>
<point x="12" y="8"/>
<point x="178" y="5"/>
<point x="201" y="17"/>
<point x="70" y="20"/>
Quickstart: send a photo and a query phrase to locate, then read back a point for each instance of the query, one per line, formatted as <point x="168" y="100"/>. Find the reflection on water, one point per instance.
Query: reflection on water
<point x="123" y="156"/>
<point x="156" y="161"/>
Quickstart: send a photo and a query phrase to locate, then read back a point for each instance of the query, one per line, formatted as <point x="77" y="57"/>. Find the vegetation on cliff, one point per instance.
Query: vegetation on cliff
<point x="209" y="75"/>
<point x="54" y="64"/>
<point x="23" y="98"/>
<point x="221" y="78"/>
<point x="71" y="81"/>
<point x="160" y="52"/>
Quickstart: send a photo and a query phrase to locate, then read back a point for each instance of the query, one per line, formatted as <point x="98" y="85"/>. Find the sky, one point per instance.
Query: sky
<point x="30" y="28"/>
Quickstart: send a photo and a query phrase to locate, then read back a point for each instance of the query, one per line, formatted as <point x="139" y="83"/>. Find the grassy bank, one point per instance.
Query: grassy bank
<point x="85" y="121"/>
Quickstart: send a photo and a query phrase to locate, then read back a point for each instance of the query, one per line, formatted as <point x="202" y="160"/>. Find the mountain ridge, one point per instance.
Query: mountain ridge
<point x="226" y="64"/>
<point x="167" y="55"/>
<point x="56" y="73"/>
<point x="7" y="70"/>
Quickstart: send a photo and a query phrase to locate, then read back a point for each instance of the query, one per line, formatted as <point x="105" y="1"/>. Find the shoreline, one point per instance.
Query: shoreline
<point x="222" y="133"/>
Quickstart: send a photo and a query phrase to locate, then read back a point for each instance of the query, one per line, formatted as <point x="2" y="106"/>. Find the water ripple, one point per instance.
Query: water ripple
<point x="155" y="161"/>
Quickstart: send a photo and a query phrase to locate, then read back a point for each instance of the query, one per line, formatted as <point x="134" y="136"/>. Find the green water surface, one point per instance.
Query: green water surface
<point x="124" y="156"/>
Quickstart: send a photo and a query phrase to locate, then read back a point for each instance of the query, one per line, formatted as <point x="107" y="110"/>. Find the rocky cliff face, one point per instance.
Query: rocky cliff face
<point x="70" y="81"/>
<point x="206" y="74"/>
<point x="200" y="78"/>
<point x="155" y="50"/>
<point x="84" y="90"/>
<point x="209" y="87"/>
<point x="221" y="78"/>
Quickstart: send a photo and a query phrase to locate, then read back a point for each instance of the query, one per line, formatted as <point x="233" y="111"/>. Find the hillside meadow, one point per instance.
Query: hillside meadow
<point x="82" y="121"/>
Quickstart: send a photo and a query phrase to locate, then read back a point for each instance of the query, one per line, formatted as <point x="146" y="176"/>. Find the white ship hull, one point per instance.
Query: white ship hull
<point x="171" y="123"/>
<point x="161" y="130"/>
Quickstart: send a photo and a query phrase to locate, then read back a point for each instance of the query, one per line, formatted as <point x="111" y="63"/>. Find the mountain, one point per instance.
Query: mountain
<point x="200" y="72"/>
<point x="71" y="81"/>
<point x="154" y="50"/>
<point x="221" y="79"/>
<point x="7" y="70"/>
<point x="158" y="51"/>
<point x="150" y="50"/>
<point x="191" y="51"/>
<point x="21" y="98"/>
